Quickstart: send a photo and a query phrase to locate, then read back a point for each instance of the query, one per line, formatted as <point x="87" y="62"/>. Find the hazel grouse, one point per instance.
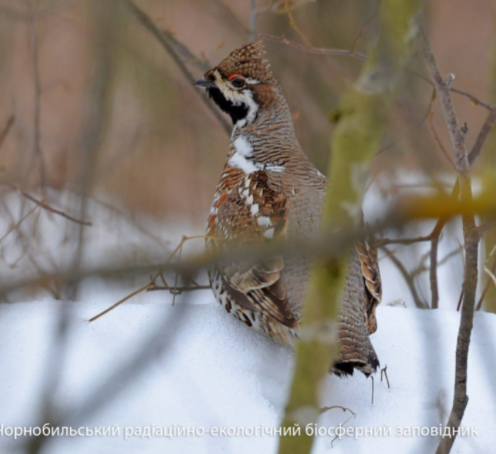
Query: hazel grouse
<point x="270" y="191"/>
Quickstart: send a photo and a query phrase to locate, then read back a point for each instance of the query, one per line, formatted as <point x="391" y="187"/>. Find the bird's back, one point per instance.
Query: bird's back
<point x="270" y="192"/>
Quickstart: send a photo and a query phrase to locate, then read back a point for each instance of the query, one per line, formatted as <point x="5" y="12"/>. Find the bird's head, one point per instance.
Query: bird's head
<point x="242" y="84"/>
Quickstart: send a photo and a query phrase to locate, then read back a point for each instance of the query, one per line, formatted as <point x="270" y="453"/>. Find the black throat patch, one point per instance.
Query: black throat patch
<point x="236" y="112"/>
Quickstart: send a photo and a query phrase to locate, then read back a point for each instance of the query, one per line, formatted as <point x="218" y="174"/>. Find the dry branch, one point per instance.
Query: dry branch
<point x="471" y="237"/>
<point x="482" y="137"/>
<point x="152" y="286"/>
<point x="47" y="207"/>
<point x="314" y="50"/>
<point x="488" y="283"/>
<point x="325" y="246"/>
<point x="351" y="53"/>
<point x="409" y="277"/>
<point x="37" y="152"/>
<point x="177" y="51"/>
<point x="6" y="129"/>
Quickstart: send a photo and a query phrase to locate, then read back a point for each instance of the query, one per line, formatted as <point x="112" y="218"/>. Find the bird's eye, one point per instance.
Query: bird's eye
<point x="238" y="82"/>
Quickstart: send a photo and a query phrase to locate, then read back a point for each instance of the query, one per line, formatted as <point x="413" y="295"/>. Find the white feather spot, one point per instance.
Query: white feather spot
<point x="275" y="168"/>
<point x="269" y="233"/>
<point x="252" y="106"/>
<point x="264" y="221"/>
<point x="242" y="151"/>
<point x="254" y="208"/>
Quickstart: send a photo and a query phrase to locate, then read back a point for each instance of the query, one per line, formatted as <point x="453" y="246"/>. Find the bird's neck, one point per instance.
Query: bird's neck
<point x="267" y="141"/>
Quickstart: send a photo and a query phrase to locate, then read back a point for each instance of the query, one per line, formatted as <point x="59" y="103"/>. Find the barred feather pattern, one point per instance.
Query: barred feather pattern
<point x="268" y="192"/>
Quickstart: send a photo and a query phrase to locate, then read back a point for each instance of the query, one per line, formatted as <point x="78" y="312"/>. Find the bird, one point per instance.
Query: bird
<point x="270" y="192"/>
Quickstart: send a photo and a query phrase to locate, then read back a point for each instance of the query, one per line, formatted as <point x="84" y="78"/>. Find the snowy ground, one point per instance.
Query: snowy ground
<point x="203" y="369"/>
<point x="215" y="372"/>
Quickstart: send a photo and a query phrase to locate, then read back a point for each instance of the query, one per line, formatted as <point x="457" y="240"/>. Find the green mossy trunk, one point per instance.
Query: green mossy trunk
<point x="361" y="121"/>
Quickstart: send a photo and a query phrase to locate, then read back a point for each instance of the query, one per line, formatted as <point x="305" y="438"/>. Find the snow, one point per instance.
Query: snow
<point x="152" y="364"/>
<point x="207" y="370"/>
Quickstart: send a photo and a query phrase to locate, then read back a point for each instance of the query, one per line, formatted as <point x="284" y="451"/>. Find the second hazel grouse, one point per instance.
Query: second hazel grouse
<point x="270" y="191"/>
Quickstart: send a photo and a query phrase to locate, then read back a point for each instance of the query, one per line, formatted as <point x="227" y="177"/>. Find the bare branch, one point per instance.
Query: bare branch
<point x="171" y="46"/>
<point x="471" y="238"/>
<point x="37" y="95"/>
<point x="482" y="137"/>
<point x="476" y="101"/>
<point x="441" y="146"/>
<point x="253" y="20"/>
<point x="18" y="223"/>
<point x="42" y="13"/>
<point x="293" y="24"/>
<point x="128" y="297"/>
<point x="151" y="285"/>
<point x="409" y="279"/>
<point x="43" y="205"/>
<point x="326" y="245"/>
<point x="179" y="290"/>
<point x="363" y="30"/>
<point x="488" y="284"/>
<point x="314" y="50"/>
<point x="345" y="409"/>
<point x="403" y="241"/>
<point x="6" y="130"/>
<point x="351" y="53"/>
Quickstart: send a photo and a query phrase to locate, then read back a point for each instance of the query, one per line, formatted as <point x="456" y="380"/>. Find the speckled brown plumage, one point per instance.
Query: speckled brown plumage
<point x="269" y="191"/>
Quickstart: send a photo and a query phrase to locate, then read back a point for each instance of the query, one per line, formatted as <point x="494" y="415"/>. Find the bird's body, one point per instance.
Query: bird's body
<point x="269" y="191"/>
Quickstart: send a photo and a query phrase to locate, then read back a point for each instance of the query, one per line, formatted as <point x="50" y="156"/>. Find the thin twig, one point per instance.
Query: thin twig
<point x="482" y="137"/>
<point x="325" y="409"/>
<point x="471" y="239"/>
<point x="350" y="53"/>
<point x="384" y="372"/>
<point x="37" y="96"/>
<point x="363" y="30"/>
<point x="6" y="129"/>
<point x="422" y="268"/>
<point x="486" y="287"/>
<point x="18" y="223"/>
<point x="177" y="274"/>
<point x="136" y="292"/>
<point x="403" y="241"/>
<point x="460" y="300"/>
<point x="436" y="234"/>
<point x="42" y="13"/>
<point x="253" y="20"/>
<point x="313" y="50"/>
<point x="352" y="415"/>
<point x="165" y="40"/>
<point x="151" y="285"/>
<point x="178" y="290"/>
<point x="43" y="205"/>
<point x="409" y="279"/>
<point x="327" y="244"/>
<point x="438" y="141"/>
<point x="293" y="24"/>
<point x="410" y="128"/>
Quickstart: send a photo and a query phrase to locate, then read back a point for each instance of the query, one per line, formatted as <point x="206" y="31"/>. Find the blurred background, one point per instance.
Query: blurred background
<point x="109" y="155"/>
<point x="93" y="103"/>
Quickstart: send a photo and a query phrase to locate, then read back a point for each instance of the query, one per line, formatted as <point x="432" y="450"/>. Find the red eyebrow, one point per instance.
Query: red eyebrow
<point x="233" y="76"/>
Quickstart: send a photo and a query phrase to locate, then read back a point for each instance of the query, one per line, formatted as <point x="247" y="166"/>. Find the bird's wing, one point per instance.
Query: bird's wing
<point x="253" y="212"/>
<point x="367" y="255"/>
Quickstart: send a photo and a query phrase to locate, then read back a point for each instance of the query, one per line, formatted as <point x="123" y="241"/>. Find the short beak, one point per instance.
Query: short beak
<point x="204" y="83"/>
